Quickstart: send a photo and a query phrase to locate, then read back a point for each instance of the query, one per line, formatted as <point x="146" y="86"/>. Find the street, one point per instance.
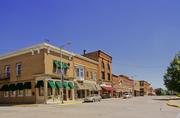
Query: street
<point x="137" y="107"/>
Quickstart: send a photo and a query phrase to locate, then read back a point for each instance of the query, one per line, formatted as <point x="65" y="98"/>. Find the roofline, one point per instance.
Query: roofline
<point x="43" y="46"/>
<point x="100" y="51"/>
<point x="85" y="58"/>
<point x="32" y="48"/>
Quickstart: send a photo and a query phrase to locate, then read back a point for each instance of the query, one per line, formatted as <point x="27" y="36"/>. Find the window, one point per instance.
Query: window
<point x="41" y="91"/>
<point x="102" y="65"/>
<point x="87" y="74"/>
<point x="141" y="83"/>
<point x="20" y="93"/>
<point x="109" y="76"/>
<point x="18" y="69"/>
<point x="103" y="75"/>
<point x="91" y="75"/>
<point x="108" y="65"/>
<point x="95" y="76"/>
<point x="12" y="93"/>
<point x="7" y="71"/>
<point x="28" y="92"/>
<point x="80" y="73"/>
<point x="6" y="94"/>
<point x="49" y="91"/>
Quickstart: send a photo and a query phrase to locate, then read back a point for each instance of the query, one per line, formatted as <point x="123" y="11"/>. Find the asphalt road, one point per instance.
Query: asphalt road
<point x="140" y="107"/>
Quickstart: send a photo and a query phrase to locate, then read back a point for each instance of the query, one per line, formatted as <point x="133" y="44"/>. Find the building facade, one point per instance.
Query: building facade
<point x="104" y="71"/>
<point x="144" y="88"/>
<point x="85" y="71"/>
<point x="34" y="75"/>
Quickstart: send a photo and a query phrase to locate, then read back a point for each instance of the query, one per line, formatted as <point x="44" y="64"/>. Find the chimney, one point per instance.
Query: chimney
<point x="84" y="52"/>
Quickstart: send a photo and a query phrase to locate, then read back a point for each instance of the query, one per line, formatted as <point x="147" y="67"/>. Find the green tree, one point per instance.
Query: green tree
<point x="172" y="76"/>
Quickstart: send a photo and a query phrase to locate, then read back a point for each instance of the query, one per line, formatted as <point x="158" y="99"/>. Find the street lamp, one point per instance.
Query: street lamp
<point x="62" y="73"/>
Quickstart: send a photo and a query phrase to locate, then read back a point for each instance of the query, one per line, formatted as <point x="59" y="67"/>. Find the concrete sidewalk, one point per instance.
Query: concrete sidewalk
<point x="174" y="103"/>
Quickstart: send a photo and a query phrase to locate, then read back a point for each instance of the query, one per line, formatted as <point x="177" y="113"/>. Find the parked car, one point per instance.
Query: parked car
<point x="105" y="96"/>
<point x="93" y="98"/>
<point x="127" y="95"/>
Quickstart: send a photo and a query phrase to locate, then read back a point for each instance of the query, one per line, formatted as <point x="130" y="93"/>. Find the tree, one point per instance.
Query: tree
<point x="172" y="76"/>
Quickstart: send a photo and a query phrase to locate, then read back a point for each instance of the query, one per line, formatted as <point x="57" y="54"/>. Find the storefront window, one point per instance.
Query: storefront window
<point x="41" y="91"/>
<point x="28" y="92"/>
<point x="20" y="93"/>
<point x="49" y="91"/>
<point x="6" y="94"/>
<point x="12" y="93"/>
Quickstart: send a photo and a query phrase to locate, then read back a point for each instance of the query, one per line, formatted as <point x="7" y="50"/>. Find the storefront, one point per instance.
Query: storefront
<point x="86" y="88"/>
<point x="107" y="90"/>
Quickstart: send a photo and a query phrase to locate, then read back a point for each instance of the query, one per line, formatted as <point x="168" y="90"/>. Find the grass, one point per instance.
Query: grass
<point x="178" y="95"/>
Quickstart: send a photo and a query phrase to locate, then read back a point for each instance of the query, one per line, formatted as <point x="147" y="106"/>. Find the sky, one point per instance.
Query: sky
<point x="142" y="36"/>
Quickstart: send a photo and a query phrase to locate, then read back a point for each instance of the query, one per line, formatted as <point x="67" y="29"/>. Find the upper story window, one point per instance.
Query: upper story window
<point x="91" y="75"/>
<point x="80" y="73"/>
<point x="95" y="76"/>
<point x="18" y="69"/>
<point x="108" y="65"/>
<point x="102" y="65"/>
<point x="103" y="75"/>
<point x="141" y="83"/>
<point x="7" y="71"/>
<point x="109" y="76"/>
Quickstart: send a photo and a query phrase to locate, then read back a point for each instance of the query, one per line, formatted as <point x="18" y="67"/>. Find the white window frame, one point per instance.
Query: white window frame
<point x="95" y="76"/>
<point x="18" y="69"/>
<point x="7" y="70"/>
<point x="6" y="94"/>
<point x="80" y="75"/>
<point x="28" y="92"/>
<point x="91" y="76"/>
<point x="18" y="93"/>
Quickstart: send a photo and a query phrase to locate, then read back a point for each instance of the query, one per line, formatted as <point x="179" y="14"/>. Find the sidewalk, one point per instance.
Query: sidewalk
<point x="174" y="103"/>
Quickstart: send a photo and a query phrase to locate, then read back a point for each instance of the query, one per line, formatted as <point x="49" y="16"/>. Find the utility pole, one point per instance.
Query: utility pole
<point x="62" y="70"/>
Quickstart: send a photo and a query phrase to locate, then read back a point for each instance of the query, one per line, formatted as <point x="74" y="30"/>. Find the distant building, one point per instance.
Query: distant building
<point x="144" y="88"/>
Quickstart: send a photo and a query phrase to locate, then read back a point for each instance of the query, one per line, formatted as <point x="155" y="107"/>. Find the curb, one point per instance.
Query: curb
<point x="172" y="105"/>
<point x="70" y="103"/>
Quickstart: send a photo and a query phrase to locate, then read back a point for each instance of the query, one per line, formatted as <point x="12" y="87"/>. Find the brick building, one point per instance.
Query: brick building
<point x="144" y="88"/>
<point x="33" y="75"/>
<point x="104" y="71"/>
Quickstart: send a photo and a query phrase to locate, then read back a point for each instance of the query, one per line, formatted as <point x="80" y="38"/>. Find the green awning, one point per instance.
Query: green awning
<point x="66" y="85"/>
<point x="5" y="88"/>
<point x="12" y="87"/>
<point x="19" y="86"/>
<point x="40" y="84"/>
<point x="58" y="64"/>
<point x="71" y="85"/>
<point x="51" y="84"/>
<point x="59" y="84"/>
<point x="27" y="85"/>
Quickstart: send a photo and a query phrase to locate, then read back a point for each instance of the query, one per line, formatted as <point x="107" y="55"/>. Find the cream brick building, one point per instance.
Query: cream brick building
<point x="32" y="75"/>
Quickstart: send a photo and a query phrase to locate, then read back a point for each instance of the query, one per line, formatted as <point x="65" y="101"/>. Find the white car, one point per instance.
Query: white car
<point x="127" y="95"/>
<point x="93" y="98"/>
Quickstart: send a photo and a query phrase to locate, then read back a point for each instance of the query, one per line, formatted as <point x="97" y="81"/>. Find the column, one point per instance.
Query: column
<point x="45" y="91"/>
<point x="85" y="92"/>
<point x="72" y="94"/>
<point x="67" y="95"/>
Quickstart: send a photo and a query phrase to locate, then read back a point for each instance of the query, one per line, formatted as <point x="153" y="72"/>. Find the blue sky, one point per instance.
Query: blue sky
<point x="142" y="36"/>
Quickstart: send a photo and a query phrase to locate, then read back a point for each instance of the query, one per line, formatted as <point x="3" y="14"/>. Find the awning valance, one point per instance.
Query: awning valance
<point x="51" y="84"/>
<point x="19" y="86"/>
<point x="108" y="88"/>
<point x="71" y="85"/>
<point x="59" y="84"/>
<point x="12" y="87"/>
<point x="27" y="85"/>
<point x="40" y="84"/>
<point x="5" y="88"/>
<point x="60" y="65"/>
<point x="66" y="85"/>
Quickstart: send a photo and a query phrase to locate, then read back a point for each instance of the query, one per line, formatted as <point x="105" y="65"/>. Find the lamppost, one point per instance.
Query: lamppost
<point x="62" y="71"/>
